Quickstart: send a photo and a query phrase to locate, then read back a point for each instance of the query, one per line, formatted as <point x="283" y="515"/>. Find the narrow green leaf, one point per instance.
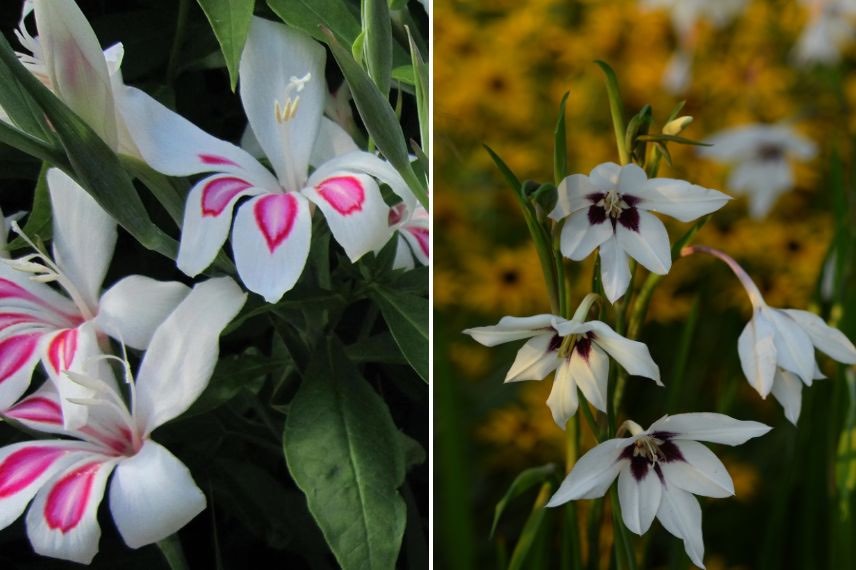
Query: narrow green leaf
<point x="531" y="528"/>
<point x="31" y="145"/>
<point x="407" y="317"/>
<point x="671" y="138"/>
<point x="510" y="177"/>
<point x="311" y="15"/>
<point x="230" y="20"/>
<point x="39" y="221"/>
<point x="422" y="88"/>
<point x="522" y="483"/>
<point x="616" y="109"/>
<point x="378" y="116"/>
<point x="560" y="146"/>
<point x="344" y="452"/>
<point x="378" y="42"/>
<point x="94" y="165"/>
<point x="22" y="110"/>
<point x="358" y="49"/>
<point x="404" y="74"/>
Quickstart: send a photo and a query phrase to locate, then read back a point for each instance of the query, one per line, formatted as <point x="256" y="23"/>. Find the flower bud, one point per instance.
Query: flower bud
<point x="675" y="126"/>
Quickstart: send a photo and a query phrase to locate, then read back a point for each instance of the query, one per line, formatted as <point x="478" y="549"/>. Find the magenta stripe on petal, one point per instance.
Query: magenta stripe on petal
<point x="9" y="290"/>
<point x="218" y="193"/>
<point x="62" y="349"/>
<point x="344" y="193"/>
<point x="37" y="409"/>
<point x="15" y="352"/>
<point x="24" y="466"/>
<point x="9" y="319"/>
<point x="215" y="159"/>
<point x="275" y="215"/>
<point x="421" y="235"/>
<point x="67" y="501"/>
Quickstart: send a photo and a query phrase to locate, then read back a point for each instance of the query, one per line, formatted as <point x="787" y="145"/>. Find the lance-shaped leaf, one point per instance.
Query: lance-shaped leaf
<point x="522" y="483"/>
<point x="39" y="219"/>
<point x="377" y="42"/>
<point x="421" y="87"/>
<point x="343" y="451"/>
<point x="94" y="165"/>
<point x="230" y="20"/>
<point x="311" y="15"/>
<point x="560" y="146"/>
<point x="407" y="317"/>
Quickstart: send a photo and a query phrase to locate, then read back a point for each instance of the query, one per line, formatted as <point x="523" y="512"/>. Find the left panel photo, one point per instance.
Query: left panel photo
<point x="214" y="284"/>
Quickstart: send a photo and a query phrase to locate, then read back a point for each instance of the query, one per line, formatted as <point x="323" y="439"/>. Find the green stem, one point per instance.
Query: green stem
<point x="571" y="536"/>
<point x="616" y="110"/>
<point x="171" y="549"/>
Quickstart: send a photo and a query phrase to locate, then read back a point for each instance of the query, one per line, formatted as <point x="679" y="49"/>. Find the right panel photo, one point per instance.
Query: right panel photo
<point x="644" y="295"/>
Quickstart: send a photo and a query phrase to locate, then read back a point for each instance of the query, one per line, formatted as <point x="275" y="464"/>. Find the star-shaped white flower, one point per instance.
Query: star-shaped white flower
<point x="659" y="470"/>
<point x="576" y="350"/>
<point x="831" y="27"/>
<point x="610" y="209"/>
<point x="761" y="156"/>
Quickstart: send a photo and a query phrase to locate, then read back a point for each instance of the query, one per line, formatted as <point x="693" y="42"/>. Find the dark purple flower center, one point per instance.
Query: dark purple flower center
<point x="647" y="452"/>
<point x="618" y="208"/>
<point x="769" y="152"/>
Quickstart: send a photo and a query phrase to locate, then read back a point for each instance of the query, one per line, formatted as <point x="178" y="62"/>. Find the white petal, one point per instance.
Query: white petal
<point x="639" y="500"/>
<point x="734" y="144"/>
<point x="706" y="426"/>
<point x="23" y="295"/>
<point x="593" y="473"/>
<point x="534" y="360"/>
<point x="171" y="144"/>
<point x="270" y="241"/>
<point x="764" y="182"/>
<point x="681" y="200"/>
<point x="511" y="328"/>
<point x="648" y="243"/>
<point x="591" y="373"/>
<point x="572" y="194"/>
<point x="133" y="308"/>
<point x="266" y="81"/>
<point x="794" y="350"/>
<point x="76" y="65"/>
<point x="24" y="469"/>
<point x="680" y="514"/>
<point x="63" y="521"/>
<point x="757" y="350"/>
<point x="332" y="141"/>
<point x="207" y="219"/>
<point x="631" y="180"/>
<point x="355" y="211"/>
<point x="826" y="338"/>
<point x="563" y="400"/>
<point x="19" y="355"/>
<point x="701" y="472"/>
<point x="632" y="355"/>
<point x="416" y="233"/>
<point x="152" y="496"/>
<point x="403" y="255"/>
<point x="787" y="389"/>
<point x="605" y="176"/>
<point x="84" y="236"/>
<point x="183" y="351"/>
<point x="614" y="270"/>
<point x="580" y="237"/>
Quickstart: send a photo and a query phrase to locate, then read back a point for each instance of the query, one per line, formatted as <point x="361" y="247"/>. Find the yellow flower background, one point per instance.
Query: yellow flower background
<point x="500" y="70"/>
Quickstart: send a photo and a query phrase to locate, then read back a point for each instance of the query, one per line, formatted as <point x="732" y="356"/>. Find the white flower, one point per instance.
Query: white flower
<point x="658" y="472"/>
<point x="687" y="13"/>
<point x="610" y="209"/>
<point x="761" y="155"/>
<point x="576" y="350"/>
<point x="152" y="494"/>
<point x="413" y="236"/>
<point x="831" y="26"/>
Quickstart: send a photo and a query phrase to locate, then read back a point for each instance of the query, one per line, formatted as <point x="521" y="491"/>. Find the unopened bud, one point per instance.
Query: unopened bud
<point x="675" y="126"/>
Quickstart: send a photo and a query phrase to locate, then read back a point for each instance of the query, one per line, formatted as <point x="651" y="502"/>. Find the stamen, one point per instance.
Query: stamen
<point x="284" y="112"/>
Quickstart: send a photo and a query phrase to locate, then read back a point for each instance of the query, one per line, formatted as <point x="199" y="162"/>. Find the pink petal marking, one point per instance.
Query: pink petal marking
<point x="275" y="215"/>
<point x="37" y="409"/>
<point x="219" y="192"/>
<point x="9" y="290"/>
<point x="68" y="499"/>
<point x="24" y="466"/>
<point x="421" y="235"/>
<point x="344" y="193"/>
<point x="62" y="349"/>
<point x="9" y="319"/>
<point x="396" y="213"/>
<point x="15" y="352"/>
<point x="215" y="159"/>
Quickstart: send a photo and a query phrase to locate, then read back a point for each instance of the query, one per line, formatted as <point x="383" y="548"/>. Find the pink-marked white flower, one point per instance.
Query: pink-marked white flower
<point x="38" y="322"/>
<point x="67" y="58"/>
<point x="576" y="349"/>
<point x="610" y="209"/>
<point x="776" y="347"/>
<point x="659" y="470"/>
<point x="761" y="156"/>
<point x="152" y="493"/>
<point x="413" y="236"/>
<point x="831" y="26"/>
<point x="283" y="91"/>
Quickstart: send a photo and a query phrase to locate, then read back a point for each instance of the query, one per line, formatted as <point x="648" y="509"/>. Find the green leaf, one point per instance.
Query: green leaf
<point x="522" y="483"/>
<point x="560" y="147"/>
<point x="94" y="165"/>
<point x="531" y="528"/>
<point x="24" y="113"/>
<point x="39" y="225"/>
<point x="378" y="42"/>
<point x="377" y="348"/>
<point x="404" y="74"/>
<point x="234" y="374"/>
<point x="378" y="116"/>
<point x="616" y="109"/>
<point x="510" y="177"/>
<point x="311" y="15"/>
<point x="358" y="47"/>
<point x="422" y="88"/>
<point x="414" y="453"/>
<point x="230" y="20"/>
<point x="344" y="452"/>
<point x="407" y="317"/>
<point x="671" y="138"/>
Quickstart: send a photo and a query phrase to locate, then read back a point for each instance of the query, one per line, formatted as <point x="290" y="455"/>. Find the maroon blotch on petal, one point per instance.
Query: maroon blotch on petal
<point x="629" y="218"/>
<point x="596" y="215"/>
<point x="595" y="197"/>
<point x="555" y="343"/>
<point x="583" y="348"/>
<point x="670" y="452"/>
<point x="630" y="199"/>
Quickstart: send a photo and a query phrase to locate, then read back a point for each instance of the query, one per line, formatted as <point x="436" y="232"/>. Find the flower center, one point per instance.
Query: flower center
<point x="648" y="448"/>
<point x="612" y="203"/>
<point x="769" y="152"/>
<point x="286" y="111"/>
